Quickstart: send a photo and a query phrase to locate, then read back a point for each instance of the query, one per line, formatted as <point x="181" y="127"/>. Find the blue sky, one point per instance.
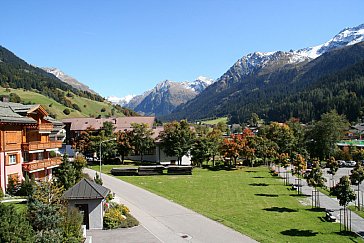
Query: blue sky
<point x="126" y="47"/>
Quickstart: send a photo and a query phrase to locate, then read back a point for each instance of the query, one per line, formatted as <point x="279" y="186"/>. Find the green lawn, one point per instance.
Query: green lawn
<point x="215" y="121"/>
<point x="21" y="207"/>
<point x="248" y="200"/>
<point x="355" y="210"/>
<point x="87" y="106"/>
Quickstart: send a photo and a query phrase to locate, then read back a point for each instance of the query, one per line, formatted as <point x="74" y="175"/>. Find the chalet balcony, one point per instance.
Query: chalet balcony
<point x="40" y="146"/>
<point x="42" y="164"/>
<point x="45" y="127"/>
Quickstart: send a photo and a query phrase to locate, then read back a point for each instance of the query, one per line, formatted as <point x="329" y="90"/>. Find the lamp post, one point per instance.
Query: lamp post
<point x="113" y="139"/>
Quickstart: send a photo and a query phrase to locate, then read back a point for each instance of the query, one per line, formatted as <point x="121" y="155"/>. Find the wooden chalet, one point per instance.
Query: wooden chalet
<point x="27" y="137"/>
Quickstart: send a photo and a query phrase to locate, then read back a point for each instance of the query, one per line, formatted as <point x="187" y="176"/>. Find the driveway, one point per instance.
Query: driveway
<point x="166" y="220"/>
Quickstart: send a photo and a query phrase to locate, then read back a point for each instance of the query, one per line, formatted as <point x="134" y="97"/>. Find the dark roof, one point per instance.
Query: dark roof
<point x="86" y="189"/>
<point x="8" y="114"/>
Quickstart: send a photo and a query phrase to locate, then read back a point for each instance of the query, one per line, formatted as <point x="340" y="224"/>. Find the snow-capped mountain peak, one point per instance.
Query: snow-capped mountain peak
<point x="346" y="37"/>
<point x="123" y="100"/>
<point x="256" y="61"/>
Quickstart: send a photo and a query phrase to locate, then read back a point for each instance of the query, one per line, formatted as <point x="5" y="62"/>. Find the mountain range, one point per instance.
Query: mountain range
<point x="263" y="83"/>
<point x="164" y="97"/>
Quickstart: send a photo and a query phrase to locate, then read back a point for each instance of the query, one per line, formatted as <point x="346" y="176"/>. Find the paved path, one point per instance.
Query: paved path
<point x="357" y="223"/>
<point x="136" y="234"/>
<point x="166" y="220"/>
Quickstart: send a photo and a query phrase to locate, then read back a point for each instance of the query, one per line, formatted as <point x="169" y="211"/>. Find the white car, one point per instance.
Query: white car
<point x="350" y="163"/>
<point x="342" y="163"/>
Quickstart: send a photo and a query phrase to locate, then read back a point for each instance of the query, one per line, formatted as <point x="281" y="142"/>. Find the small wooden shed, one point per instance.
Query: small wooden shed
<point x="89" y="198"/>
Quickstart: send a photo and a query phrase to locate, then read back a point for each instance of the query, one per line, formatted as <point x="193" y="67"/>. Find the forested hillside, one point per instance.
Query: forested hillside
<point x="24" y="83"/>
<point x="304" y="90"/>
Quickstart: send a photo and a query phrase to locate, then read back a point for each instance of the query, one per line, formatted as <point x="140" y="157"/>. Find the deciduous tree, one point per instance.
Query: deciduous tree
<point x="176" y="139"/>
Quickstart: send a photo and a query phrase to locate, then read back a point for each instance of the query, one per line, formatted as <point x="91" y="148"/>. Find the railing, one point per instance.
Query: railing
<point x="42" y="164"/>
<point x="45" y="127"/>
<point x="39" y="145"/>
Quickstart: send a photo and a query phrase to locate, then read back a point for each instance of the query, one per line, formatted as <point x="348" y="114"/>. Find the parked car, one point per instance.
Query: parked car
<point x="342" y="163"/>
<point x="350" y="163"/>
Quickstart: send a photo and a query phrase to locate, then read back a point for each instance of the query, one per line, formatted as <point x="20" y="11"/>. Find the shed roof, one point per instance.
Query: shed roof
<point x="86" y="189"/>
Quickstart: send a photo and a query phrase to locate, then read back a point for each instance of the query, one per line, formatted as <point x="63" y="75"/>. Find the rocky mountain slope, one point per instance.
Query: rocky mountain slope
<point x="164" y="97"/>
<point x="68" y="79"/>
<point x="258" y="79"/>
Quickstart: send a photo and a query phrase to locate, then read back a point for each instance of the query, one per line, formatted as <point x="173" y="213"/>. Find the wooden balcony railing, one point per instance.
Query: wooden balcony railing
<point x="45" y="127"/>
<point x="39" y="145"/>
<point x="42" y="164"/>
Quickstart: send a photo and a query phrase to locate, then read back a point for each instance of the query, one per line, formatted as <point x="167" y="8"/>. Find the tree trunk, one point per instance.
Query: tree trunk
<point x="141" y="157"/>
<point x="213" y="161"/>
<point x="122" y="157"/>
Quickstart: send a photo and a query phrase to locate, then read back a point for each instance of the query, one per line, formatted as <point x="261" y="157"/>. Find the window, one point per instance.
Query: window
<point x="12" y="159"/>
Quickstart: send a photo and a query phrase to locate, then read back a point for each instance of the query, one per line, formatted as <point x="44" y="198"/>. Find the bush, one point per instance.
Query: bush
<point x="76" y="107"/>
<point x="1" y="193"/>
<point x="13" y="225"/>
<point x="118" y="216"/>
<point x="66" y="111"/>
<point x="103" y="109"/>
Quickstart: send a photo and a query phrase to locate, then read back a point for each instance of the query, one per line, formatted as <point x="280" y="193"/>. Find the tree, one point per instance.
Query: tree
<point x="344" y="194"/>
<point x="356" y="178"/>
<point x="324" y="134"/>
<point x="283" y="160"/>
<point x="214" y="139"/>
<point x="44" y="212"/>
<point x="109" y="128"/>
<point x="66" y="173"/>
<point x="315" y="179"/>
<point x="176" y="139"/>
<point x="265" y="148"/>
<point x="231" y="146"/>
<point x="333" y="166"/>
<point x="282" y="135"/>
<point x="141" y="138"/>
<point x="79" y="163"/>
<point x="14" y="227"/>
<point x="200" y="150"/>
<point x="299" y="163"/>
<point x="124" y="144"/>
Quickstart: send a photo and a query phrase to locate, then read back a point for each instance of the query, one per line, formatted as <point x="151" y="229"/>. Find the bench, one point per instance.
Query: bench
<point x="179" y="170"/>
<point x="151" y="170"/>
<point x="128" y="171"/>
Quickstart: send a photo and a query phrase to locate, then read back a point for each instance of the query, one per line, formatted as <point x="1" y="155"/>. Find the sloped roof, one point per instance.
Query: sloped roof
<point x="86" y="189"/>
<point x="120" y="123"/>
<point x="8" y="113"/>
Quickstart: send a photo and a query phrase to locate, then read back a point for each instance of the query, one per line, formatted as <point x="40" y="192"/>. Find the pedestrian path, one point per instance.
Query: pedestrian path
<point x="166" y="220"/>
<point x="357" y="222"/>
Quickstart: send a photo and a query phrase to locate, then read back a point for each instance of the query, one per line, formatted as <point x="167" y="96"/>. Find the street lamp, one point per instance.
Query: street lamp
<point x="113" y="139"/>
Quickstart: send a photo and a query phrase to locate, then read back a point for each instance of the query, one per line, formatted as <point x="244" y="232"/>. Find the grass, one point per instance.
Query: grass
<point x="106" y="168"/>
<point x="355" y="210"/>
<point x="88" y="107"/>
<point x="215" y="121"/>
<point x="21" y="207"/>
<point x="248" y="200"/>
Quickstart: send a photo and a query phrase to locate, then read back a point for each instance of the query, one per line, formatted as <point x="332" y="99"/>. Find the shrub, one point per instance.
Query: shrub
<point x="13" y="225"/>
<point x="71" y="225"/>
<point x="76" y="107"/>
<point x="118" y="216"/>
<point x="13" y="185"/>
<point x="66" y="111"/>
<point x="103" y="109"/>
<point x="1" y="193"/>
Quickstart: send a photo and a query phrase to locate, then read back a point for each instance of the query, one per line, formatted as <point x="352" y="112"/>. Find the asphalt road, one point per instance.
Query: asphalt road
<point x="340" y="173"/>
<point x="166" y="220"/>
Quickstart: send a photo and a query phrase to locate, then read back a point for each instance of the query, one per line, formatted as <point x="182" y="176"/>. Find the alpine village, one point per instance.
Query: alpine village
<point x="271" y="151"/>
